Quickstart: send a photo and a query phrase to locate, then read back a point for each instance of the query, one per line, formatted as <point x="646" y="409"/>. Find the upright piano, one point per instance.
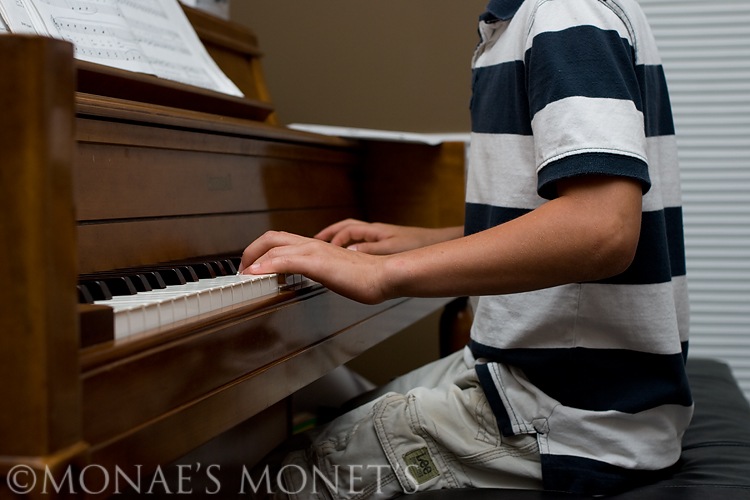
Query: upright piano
<point x="108" y="174"/>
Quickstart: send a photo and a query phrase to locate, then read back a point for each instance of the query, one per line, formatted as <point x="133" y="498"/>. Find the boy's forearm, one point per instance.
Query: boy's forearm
<point x="564" y="241"/>
<point x="446" y="233"/>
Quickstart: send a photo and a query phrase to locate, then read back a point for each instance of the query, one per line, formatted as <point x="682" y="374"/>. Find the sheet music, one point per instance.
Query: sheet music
<point x="18" y="20"/>
<point x="432" y="139"/>
<point x="98" y="30"/>
<point x="148" y="36"/>
<point x="219" y="8"/>
<point x="172" y="46"/>
<point x="3" y="26"/>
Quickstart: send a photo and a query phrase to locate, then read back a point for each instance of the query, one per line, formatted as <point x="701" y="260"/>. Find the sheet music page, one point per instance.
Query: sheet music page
<point x="219" y="8"/>
<point x="97" y="28"/>
<point x="18" y="19"/>
<point x="147" y="36"/>
<point x="174" y="50"/>
<point x="3" y="26"/>
<point x="432" y="139"/>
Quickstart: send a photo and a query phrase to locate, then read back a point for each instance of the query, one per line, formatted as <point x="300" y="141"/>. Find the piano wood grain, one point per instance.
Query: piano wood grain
<point x="158" y="186"/>
<point x="39" y="386"/>
<point x="96" y="182"/>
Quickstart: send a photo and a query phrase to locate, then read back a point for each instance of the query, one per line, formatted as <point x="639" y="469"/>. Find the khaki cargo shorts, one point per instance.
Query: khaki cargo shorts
<point x="431" y="429"/>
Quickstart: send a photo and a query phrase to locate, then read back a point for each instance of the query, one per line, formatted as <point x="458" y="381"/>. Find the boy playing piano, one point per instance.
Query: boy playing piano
<point x="574" y="376"/>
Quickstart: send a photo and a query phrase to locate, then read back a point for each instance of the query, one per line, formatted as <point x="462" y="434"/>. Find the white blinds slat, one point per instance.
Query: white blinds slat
<point x="705" y="47"/>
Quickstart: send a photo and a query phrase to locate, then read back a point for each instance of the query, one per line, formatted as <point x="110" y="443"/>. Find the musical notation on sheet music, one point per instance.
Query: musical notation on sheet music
<point x="96" y="42"/>
<point x="17" y="18"/>
<point x="147" y="36"/>
<point x="174" y="50"/>
<point x="97" y="29"/>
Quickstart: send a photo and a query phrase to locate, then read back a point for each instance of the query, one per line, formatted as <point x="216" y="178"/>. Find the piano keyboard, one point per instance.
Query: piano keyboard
<point x="139" y="307"/>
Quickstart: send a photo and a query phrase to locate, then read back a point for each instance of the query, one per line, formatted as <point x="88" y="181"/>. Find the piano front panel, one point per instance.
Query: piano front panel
<point x="157" y="193"/>
<point x="137" y="243"/>
<point x="140" y="180"/>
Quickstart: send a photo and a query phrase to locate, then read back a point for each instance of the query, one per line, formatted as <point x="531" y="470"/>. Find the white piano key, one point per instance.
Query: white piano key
<point x="122" y="324"/>
<point x="268" y="283"/>
<point x="152" y="317"/>
<point x="179" y="307"/>
<point x="166" y="313"/>
<point x="246" y="290"/>
<point x="205" y="303"/>
<point x="136" y="322"/>
<point x="192" y="306"/>
<point x="162" y="307"/>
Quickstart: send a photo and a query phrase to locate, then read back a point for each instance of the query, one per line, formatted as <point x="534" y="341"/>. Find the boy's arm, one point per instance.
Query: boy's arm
<point x="589" y="232"/>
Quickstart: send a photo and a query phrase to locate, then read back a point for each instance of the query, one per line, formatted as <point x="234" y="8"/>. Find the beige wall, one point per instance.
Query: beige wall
<point x="387" y="64"/>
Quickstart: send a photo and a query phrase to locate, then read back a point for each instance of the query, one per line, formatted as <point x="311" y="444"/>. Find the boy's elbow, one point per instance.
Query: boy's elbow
<point x="621" y="260"/>
<point x="617" y="250"/>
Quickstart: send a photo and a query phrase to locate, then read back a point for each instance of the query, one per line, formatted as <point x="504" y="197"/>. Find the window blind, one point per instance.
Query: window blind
<point x="705" y="48"/>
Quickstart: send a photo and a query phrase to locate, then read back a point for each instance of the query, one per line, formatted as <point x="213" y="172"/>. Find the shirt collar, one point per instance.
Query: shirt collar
<point x="501" y="10"/>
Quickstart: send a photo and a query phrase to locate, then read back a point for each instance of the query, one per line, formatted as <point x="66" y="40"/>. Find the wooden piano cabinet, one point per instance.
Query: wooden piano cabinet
<point x="40" y="392"/>
<point x="98" y="175"/>
<point x="163" y="184"/>
<point x="414" y="184"/>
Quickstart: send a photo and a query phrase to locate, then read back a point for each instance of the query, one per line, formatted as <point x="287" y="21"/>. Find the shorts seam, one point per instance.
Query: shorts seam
<point x="418" y="427"/>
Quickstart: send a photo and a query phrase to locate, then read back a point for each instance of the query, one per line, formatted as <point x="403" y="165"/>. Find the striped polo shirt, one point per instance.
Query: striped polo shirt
<point x="564" y="88"/>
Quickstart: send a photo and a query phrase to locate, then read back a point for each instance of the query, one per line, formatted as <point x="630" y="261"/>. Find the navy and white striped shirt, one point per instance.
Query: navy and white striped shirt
<point x="564" y="88"/>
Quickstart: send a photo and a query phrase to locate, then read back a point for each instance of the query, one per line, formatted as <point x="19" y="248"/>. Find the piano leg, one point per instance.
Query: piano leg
<point x="40" y="420"/>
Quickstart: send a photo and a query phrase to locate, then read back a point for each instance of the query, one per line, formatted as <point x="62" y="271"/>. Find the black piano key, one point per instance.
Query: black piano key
<point x="102" y="286"/>
<point x="218" y="267"/>
<point x="232" y="264"/>
<point x="154" y="279"/>
<point x="171" y="276"/>
<point x="97" y="289"/>
<point x="120" y="285"/>
<point x="189" y="273"/>
<point x="140" y="282"/>
<point x="84" y="296"/>
<point x="204" y="270"/>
